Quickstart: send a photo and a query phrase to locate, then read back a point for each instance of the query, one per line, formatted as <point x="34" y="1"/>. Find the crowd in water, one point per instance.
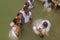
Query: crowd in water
<point x="51" y="4"/>
<point x="25" y="16"/>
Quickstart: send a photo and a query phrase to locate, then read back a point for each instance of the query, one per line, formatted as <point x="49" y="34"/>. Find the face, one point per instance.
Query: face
<point x="18" y="17"/>
<point x="26" y="11"/>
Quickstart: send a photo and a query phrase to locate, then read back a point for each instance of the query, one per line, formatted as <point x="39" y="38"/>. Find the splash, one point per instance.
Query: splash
<point x="35" y="25"/>
<point x="12" y="35"/>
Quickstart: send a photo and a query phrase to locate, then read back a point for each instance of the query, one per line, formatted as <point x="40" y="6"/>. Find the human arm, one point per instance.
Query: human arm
<point x="40" y="32"/>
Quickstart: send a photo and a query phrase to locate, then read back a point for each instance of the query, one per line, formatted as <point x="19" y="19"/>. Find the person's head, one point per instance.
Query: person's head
<point x="45" y="24"/>
<point x="49" y="1"/>
<point x="27" y="4"/>
<point x="31" y="0"/>
<point x="16" y="21"/>
<point x="25" y="10"/>
<point x="18" y="16"/>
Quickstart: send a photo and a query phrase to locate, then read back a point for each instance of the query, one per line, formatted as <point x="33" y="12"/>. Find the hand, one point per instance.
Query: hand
<point x="46" y="33"/>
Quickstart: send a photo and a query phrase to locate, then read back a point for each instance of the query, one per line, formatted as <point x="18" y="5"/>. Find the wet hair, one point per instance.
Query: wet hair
<point x="15" y="20"/>
<point x="25" y="8"/>
<point x="18" y="14"/>
<point x="45" y="24"/>
<point x="26" y="3"/>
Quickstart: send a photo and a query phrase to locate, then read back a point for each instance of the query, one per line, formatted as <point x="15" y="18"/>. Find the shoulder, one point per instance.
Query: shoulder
<point x="21" y="11"/>
<point x="11" y="24"/>
<point x="30" y="13"/>
<point x="40" y="26"/>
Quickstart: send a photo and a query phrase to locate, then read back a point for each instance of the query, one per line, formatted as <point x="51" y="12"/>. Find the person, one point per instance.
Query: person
<point x="15" y="25"/>
<point x="31" y="3"/>
<point x="27" y="5"/>
<point x="26" y="16"/>
<point x="42" y="28"/>
<point x="48" y="5"/>
<point x="58" y="4"/>
<point x="55" y="3"/>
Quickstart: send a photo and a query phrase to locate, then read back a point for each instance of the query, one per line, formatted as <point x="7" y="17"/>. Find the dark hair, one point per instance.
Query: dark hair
<point x="15" y="20"/>
<point x="26" y="3"/>
<point x="18" y="14"/>
<point x="25" y="8"/>
<point x="45" y="24"/>
<point x="49" y="1"/>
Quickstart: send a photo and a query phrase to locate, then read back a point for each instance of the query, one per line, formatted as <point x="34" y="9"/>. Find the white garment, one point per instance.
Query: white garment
<point x="48" y="27"/>
<point x="59" y="2"/>
<point x="11" y="24"/>
<point x="47" y="5"/>
<point x="13" y="30"/>
<point x="41" y="26"/>
<point x="26" y="17"/>
<point x="35" y="30"/>
<point x="31" y="4"/>
<point x="12" y="33"/>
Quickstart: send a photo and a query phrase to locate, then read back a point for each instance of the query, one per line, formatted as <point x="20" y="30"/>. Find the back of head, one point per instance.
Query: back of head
<point x="45" y="24"/>
<point x="26" y="3"/>
<point x="49" y="1"/>
<point x="14" y="20"/>
<point x="18" y="14"/>
<point x="25" y="8"/>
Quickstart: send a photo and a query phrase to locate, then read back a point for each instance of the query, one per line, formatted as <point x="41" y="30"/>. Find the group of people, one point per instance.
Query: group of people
<point x="50" y="4"/>
<point x="25" y="16"/>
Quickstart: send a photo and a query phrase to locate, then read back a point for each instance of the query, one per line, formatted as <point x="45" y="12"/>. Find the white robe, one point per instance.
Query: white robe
<point x="41" y="26"/>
